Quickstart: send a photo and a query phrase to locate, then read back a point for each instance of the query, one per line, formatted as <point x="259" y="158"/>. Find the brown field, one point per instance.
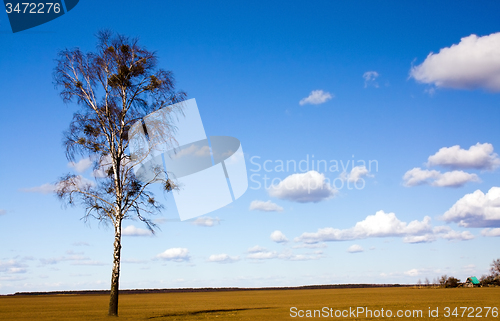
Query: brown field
<point x="249" y="305"/>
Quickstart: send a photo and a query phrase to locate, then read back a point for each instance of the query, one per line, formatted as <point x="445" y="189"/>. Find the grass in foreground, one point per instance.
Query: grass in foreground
<point x="248" y="305"/>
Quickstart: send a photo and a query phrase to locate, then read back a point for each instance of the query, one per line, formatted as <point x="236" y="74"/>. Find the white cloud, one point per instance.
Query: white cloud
<point x="48" y="188"/>
<point x="412" y="272"/>
<point x="303" y="188"/>
<point x="289" y="256"/>
<point x="175" y="254"/>
<point x="443" y="232"/>
<point x="199" y="151"/>
<point x="265" y="206"/>
<point x="104" y="164"/>
<point x="82" y="165"/>
<point x="88" y="262"/>
<point x="418" y="176"/>
<point x="135" y="231"/>
<point x="357" y="173"/>
<point x="81" y="243"/>
<point x="263" y="255"/>
<point x="479" y="156"/>
<point x="370" y="77"/>
<point x="278" y="237"/>
<point x="491" y="232"/>
<point x="12" y="267"/>
<point x="309" y="246"/>
<point x="258" y="254"/>
<point x="256" y="249"/>
<point x="355" y="248"/>
<point x="316" y="97"/>
<point x="75" y="259"/>
<point x="223" y="258"/>
<point x="458" y="236"/>
<point x="455" y="179"/>
<point x="473" y="63"/>
<point x="476" y="209"/>
<point x="43" y="189"/>
<point x="206" y="221"/>
<point x="379" y="225"/>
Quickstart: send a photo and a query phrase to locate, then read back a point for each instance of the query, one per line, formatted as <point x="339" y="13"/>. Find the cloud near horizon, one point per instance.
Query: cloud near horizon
<point x="473" y="63"/>
<point x="385" y="225"/>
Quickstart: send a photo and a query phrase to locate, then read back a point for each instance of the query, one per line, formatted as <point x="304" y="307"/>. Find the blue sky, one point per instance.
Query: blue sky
<point x="369" y="91"/>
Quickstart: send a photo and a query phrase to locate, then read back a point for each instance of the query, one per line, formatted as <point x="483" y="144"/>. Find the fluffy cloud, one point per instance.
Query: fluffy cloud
<point x="370" y="77"/>
<point x="444" y="232"/>
<point x="473" y="63"/>
<point x="355" y="248"/>
<point x="379" y="225"/>
<point x="223" y="258"/>
<point x="476" y="209"/>
<point x="206" y="221"/>
<point x="491" y="232"/>
<point x="265" y="206"/>
<point x="418" y="176"/>
<point x="357" y="173"/>
<point x="303" y="188"/>
<point x="175" y="254"/>
<point x="316" y="97"/>
<point x="135" y="231"/>
<point x="386" y="225"/>
<point x="479" y="156"/>
<point x="278" y="237"/>
<point x="81" y="166"/>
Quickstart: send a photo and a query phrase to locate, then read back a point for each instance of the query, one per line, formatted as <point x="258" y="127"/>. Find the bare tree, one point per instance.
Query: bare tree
<point x="427" y="282"/>
<point x="115" y="86"/>
<point x="495" y="269"/>
<point x="443" y="279"/>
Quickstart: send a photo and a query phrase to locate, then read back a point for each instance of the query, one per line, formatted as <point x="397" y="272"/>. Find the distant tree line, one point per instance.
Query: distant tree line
<point x="445" y="281"/>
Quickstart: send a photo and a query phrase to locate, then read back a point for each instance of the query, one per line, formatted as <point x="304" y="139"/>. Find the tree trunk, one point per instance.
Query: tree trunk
<point x="115" y="275"/>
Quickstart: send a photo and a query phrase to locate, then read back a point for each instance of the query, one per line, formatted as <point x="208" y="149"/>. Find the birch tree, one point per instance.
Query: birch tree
<point x="114" y="87"/>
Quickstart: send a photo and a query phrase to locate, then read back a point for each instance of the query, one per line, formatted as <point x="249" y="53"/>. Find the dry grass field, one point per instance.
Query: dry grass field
<point x="251" y="305"/>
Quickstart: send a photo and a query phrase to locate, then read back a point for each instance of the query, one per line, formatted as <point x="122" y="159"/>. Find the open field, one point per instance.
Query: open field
<point x="249" y="305"/>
